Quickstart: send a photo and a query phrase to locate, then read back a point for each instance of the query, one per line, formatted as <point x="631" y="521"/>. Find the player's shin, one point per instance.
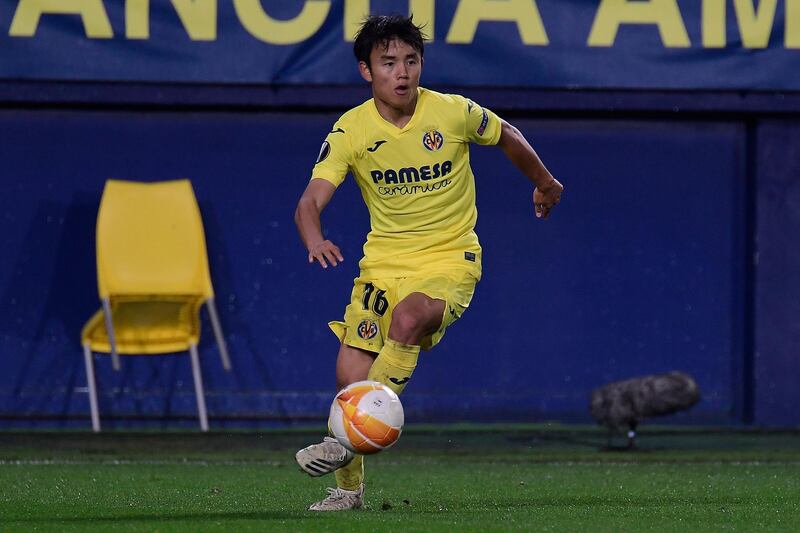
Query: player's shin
<point x="394" y="365"/>
<point x="350" y="476"/>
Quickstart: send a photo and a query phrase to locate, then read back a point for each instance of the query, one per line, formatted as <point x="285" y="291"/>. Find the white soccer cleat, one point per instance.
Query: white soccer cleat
<point x="323" y="458"/>
<point x="340" y="500"/>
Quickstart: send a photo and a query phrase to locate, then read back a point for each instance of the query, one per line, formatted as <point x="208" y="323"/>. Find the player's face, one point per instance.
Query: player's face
<point x="394" y="73"/>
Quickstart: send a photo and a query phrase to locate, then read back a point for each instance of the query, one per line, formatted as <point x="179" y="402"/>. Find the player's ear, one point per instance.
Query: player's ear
<point x="363" y="69"/>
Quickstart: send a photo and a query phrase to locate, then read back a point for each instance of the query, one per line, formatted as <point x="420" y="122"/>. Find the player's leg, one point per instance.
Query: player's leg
<point x="423" y="311"/>
<point x="396" y="361"/>
<point x="352" y="364"/>
<point x="393" y="367"/>
<point x="413" y="318"/>
<point x="360" y="342"/>
<point x="425" y="308"/>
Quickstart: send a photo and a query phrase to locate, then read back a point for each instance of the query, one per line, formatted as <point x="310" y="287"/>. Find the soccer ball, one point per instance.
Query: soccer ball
<point x="366" y="417"/>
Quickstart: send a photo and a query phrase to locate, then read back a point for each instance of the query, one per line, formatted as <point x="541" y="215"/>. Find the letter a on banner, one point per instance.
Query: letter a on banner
<point x="267" y="29"/>
<point x="471" y="12"/>
<point x="663" y="13"/>
<point x="92" y="13"/>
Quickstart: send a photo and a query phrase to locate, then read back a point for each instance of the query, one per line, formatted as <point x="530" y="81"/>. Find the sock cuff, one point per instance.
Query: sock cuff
<point x="400" y="355"/>
<point x="411" y="349"/>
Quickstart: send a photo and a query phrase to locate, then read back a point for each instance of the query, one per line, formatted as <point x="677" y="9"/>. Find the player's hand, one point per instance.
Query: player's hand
<point x="325" y="252"/>
<point x="546" y="198"/>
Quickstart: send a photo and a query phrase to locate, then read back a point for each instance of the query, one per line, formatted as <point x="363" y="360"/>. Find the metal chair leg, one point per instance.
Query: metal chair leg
<point x="111" y="338"/>
<point x="198" y="388"/>
<point x="223" y="347"/>
<point x="87" y="356"/>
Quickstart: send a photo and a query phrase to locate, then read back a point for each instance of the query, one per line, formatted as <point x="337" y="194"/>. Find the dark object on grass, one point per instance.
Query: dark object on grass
<point x="621" y="405"/>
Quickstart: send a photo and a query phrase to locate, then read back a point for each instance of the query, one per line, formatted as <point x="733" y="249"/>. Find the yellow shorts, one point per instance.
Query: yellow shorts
<point x="367" y="318"/>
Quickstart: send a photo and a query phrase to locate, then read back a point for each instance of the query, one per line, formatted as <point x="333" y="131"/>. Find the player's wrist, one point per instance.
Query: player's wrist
<point x="547" y="183"/>
<point x="544" y="183"/>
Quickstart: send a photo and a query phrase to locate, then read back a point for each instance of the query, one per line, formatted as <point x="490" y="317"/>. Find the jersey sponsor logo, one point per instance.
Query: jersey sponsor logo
<point x="399" y="381"/>
<point x="367" y="329"/>
<point x="324" y="152"/>
<point x="469" y="256"/>
<point x="404" y="190"/>
<point x="412" y="174"/>
<point x="432" y="140"/>
<point x="484" y="122"/>
<point x="377" y="145"/>
<point x="337" y="130"/>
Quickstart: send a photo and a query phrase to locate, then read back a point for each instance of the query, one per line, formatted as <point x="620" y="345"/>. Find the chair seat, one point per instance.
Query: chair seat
<point x="146" y="326"/>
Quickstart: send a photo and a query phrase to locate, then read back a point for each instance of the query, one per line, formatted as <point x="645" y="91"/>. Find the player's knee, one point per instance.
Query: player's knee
<point x="410" y="324"/>
<point x="406" y="324"/>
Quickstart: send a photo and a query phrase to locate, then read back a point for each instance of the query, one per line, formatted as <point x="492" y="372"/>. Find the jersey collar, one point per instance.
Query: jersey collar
<point x="391" y="128"/>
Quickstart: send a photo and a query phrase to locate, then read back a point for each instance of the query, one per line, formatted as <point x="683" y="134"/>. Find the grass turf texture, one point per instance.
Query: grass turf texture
<point x="543" y="478"/>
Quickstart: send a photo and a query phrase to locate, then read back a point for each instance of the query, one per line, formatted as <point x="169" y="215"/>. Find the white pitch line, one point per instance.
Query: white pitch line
<point x="124" y="462"/>
<point x="197" y="462"/>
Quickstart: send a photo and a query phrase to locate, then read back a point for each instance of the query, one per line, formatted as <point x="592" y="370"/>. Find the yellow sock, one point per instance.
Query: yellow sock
<point x="393" y="367"/>
<point x="351" y="476"/>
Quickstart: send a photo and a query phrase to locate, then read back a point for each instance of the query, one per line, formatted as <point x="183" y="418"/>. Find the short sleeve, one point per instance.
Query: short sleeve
<point x="334" y="157"/>
<point x="483" y="126"/>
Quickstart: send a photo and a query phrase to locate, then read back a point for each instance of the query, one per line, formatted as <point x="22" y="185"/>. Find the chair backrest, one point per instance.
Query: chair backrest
<point x="150" y="241"/>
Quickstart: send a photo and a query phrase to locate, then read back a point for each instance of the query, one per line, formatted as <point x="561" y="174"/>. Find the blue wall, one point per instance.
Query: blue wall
<point x="643" y="268"/>
<point x="777" y="304"/>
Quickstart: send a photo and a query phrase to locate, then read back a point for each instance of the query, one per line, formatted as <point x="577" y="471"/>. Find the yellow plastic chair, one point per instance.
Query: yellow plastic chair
<point x="153" y="277"/>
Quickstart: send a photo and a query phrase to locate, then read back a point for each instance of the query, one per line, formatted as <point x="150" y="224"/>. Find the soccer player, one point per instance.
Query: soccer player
<point x="408" y="148"/>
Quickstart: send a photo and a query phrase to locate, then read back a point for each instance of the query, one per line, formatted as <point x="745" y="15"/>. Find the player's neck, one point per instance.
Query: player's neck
<point x="397" y="116"/>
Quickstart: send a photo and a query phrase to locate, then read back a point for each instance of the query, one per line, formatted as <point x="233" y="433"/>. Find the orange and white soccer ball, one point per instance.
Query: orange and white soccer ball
<point x="366" y="417"/>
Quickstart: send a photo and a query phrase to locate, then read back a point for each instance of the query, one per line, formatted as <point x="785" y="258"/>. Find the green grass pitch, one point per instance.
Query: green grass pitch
<point x="457" y="478"/>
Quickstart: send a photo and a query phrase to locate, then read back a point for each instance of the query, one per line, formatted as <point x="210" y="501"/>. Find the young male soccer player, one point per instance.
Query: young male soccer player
<point x="408" y="149"/>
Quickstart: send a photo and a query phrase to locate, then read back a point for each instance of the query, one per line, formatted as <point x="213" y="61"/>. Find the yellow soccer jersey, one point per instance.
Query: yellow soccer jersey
<point x="416" y="181"/>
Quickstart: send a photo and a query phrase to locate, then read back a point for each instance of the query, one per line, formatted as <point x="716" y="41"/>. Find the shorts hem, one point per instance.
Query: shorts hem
<point x="365" y="347"/>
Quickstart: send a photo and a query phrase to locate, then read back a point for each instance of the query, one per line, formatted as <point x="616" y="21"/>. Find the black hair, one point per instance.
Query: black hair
<point x="380" y="29"/>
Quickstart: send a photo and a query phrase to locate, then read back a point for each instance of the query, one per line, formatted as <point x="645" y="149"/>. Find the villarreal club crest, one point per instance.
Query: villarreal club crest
<point x="367" y="329"/>
<point x="432" y="140"/>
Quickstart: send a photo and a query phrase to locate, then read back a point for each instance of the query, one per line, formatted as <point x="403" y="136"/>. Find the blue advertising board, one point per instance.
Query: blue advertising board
<point x="637" y="272"/>
<point x="649" y="44"/>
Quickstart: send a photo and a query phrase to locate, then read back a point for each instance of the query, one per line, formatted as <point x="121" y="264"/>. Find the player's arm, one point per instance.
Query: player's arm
<point x="547" y="192"/>
<point x="307" y="217"/>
